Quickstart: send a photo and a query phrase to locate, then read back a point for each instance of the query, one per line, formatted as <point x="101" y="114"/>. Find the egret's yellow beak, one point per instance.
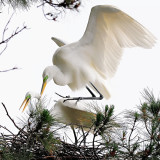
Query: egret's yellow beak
<point x="26" y="101"/>
<point x="43" y="87"/>
<point x="44" y="84"/>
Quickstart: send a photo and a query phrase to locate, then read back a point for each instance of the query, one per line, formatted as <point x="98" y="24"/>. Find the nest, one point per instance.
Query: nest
<point x="37" y="140"/>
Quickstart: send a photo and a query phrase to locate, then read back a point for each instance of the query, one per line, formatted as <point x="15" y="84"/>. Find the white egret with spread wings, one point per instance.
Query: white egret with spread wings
<point x="95" y="57"/>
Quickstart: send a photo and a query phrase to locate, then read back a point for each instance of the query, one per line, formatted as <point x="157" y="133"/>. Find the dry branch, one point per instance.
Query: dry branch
<point x="16" y="32"/>
<point x="11" y="69"/>
<point x="10" y="117"/>
<point x="5" y="40"/>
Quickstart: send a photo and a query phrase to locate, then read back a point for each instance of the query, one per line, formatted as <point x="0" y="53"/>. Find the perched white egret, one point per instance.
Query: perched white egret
<point x="68" y="113"/>
<point x="95" y="57"/>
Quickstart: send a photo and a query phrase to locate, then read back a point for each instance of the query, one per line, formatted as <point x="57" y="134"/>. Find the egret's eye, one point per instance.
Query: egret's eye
<point x="45" y="78"/>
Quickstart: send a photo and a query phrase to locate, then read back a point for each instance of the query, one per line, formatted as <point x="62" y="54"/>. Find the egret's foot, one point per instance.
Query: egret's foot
<point x="61" y="95"/>
<point x="77" y="99"/>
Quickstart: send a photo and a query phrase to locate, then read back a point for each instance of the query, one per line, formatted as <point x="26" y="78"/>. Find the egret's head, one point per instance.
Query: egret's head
<point x="26" y="101"/>
<point x="47" y="76"/>
<point x="28" y="97"/>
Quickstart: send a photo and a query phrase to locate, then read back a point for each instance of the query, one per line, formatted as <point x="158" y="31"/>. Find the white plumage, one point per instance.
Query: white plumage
<point x="72" y="114"/>
<point x="29" y="95"/>
<point x="67" y="113"/>
<point x="95" y="57"/>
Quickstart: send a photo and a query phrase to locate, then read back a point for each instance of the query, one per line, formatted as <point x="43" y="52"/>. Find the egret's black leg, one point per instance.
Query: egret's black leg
<point x="87" y="98"/>
<point x="89" y="90"/>
<point x="96" y="90"/>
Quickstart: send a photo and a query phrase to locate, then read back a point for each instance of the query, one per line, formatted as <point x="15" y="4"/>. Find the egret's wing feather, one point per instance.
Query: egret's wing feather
<point x="63" y="112"/>
<point x="109" y="30"/>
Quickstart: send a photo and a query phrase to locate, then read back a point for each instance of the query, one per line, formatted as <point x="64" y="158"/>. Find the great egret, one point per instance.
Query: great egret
<point x="68" y="113"/>
<point x="95" y="57"/>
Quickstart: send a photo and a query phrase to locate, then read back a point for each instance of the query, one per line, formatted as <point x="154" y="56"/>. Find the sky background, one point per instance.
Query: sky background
<point x="32" y="51"/>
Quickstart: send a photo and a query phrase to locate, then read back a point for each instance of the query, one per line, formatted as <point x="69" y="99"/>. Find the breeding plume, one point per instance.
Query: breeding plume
<point x="63" y="112"/>
<point x="95" y="57"/>
<point x="72" y="114"/>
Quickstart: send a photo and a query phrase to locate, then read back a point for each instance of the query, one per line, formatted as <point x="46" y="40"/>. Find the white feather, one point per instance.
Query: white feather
<point x="95" y="57"/>
<point x="109" y="30"/>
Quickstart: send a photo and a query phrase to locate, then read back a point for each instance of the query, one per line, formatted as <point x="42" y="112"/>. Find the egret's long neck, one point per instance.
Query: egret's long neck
<point x="59" y="77"/>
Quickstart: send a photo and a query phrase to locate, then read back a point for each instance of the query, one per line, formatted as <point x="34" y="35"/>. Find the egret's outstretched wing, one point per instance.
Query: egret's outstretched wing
<point x="108" y="31"/>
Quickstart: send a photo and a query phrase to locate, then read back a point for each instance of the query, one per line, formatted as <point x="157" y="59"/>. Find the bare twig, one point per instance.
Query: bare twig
<point x="6" y="40"/>
<point x="145" y="123"/>
<point x="11" y="69"/>
<point x="129" y="139"/>
<point x="10" y="117"/>
<point x="85" y="135"/>
<point x="13" y="34"/>
<point x="6" y="129"/>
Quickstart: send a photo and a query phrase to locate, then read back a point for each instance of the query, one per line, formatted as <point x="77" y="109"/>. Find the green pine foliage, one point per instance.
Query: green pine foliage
<point x="35" y="138"/>
<point x="18" y="3"/>
<point x="134" y="135"/>
<point x="26" y="4"/>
